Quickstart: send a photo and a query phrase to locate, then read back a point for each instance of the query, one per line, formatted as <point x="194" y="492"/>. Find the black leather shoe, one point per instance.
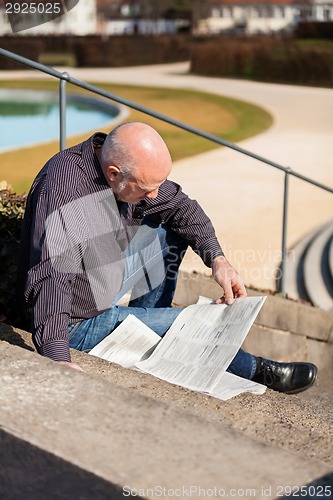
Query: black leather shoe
<point x="289" y="378"/>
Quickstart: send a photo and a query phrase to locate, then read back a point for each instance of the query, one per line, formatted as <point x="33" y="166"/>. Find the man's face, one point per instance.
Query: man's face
<point x="132" y="190"/>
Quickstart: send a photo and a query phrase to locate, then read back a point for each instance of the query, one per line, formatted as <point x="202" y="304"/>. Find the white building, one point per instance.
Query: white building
<point x="260" y="16"/>
<point x="322" y="10"/>
<point x="141" y="26"/>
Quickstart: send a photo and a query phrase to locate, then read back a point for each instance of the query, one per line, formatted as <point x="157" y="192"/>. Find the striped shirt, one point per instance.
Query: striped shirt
<point x="71" y="213"/>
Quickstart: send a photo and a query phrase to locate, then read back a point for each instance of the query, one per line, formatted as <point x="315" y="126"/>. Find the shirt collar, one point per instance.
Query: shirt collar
<point x="90" y="160"/>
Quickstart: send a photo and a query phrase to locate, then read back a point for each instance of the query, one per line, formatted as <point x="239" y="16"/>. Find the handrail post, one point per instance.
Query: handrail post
<point x="284" y="231"/>
<point x="62" y="111"/>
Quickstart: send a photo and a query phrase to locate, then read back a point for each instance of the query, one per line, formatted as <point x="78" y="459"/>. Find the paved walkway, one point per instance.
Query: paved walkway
<point x="241" y="195"/>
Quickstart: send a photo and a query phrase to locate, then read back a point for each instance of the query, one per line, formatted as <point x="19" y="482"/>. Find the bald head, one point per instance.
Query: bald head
<point x="135" y="152"/>
<point x="134" y="146"/>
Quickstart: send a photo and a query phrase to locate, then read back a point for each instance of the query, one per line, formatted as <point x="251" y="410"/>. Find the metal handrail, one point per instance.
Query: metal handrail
<point x="65" y="77"/>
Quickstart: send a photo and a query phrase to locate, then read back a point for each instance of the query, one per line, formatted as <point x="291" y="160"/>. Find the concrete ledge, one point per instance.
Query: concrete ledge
<point x="297" y="318"/>
<point x="191" y="285"/>
<point x="286" y="346"/>
<point x="277" y="313"/>
<point x="121" y="437"/>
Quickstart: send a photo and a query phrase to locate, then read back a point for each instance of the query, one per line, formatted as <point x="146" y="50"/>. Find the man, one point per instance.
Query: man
<point x="102" y="219"/>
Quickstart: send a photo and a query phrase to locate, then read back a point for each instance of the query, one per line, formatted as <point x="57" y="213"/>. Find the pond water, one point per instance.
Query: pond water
<point x="32" y="117"/>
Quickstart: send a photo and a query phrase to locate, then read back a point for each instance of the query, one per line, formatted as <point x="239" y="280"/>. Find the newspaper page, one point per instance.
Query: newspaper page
<point x="230" y="385"/>
<point x="201" y="343"/>
<point x="129" y="343"/>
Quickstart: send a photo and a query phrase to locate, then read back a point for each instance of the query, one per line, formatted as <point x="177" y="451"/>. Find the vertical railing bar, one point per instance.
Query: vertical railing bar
<point x="62" y="112"/>
<point x="284" y="232"/>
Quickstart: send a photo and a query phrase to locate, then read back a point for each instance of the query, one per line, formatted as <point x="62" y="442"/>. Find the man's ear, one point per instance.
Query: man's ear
<point x="113" y="173"/>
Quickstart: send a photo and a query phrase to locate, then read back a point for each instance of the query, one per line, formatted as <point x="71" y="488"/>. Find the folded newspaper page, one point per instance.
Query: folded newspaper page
<point x="201" y="343"/>
<point x="129" y="343"/>
<point x="230" y="385"/>
<point x="195" y="352"/>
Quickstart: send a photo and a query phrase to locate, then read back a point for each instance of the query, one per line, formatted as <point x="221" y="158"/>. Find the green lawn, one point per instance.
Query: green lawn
<point x="230" y="119"/>
<point x="315" y="43"/>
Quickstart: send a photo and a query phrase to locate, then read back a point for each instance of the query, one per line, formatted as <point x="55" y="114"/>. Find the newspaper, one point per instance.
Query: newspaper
<point x="129" y="343"/>
<point x="195" y="352"/>
<point x="230" y="385"/>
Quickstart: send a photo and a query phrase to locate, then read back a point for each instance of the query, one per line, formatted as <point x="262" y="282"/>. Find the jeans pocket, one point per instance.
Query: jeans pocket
<point x="76" y="335"/>
<point x="72" y="329"/>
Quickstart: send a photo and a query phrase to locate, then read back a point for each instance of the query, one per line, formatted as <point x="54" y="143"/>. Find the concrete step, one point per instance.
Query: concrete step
<point x="294" y="279"/>
<point x="66" y="434"/>
<point x="309" y="268"/>
<point x="330" y="256"/>
<point x="284" y="330"/>
<point x="317" y="275"/>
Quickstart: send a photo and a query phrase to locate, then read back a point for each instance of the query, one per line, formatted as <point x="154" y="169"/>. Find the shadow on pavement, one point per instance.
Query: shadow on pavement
<point x="318" y="489"/>
<point x="30" y="473"/>
<point x="8" y="334"/>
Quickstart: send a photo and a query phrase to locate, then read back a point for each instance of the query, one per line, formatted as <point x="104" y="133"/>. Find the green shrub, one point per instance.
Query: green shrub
<point x="11" y="215"/>
<point x="314" y="29"/>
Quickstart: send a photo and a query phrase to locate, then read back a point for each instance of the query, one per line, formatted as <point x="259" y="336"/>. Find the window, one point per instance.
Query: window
<point x="216" y="12"/>
<point x="327" y="16"/>
<point x="226" y="12"/>
<point x="280" y="11"/>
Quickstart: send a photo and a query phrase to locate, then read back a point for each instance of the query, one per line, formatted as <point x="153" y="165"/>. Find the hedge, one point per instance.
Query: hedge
<point x="263" y="59"/>
<point x="11" y="215"/>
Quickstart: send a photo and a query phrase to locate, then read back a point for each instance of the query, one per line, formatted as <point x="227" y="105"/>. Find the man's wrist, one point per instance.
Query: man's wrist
<point x="220" y="259"/>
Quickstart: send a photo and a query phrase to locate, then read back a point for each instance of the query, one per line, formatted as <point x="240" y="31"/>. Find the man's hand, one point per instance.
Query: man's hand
<point x="232" y="284"/>
<point x="75" y="366"/>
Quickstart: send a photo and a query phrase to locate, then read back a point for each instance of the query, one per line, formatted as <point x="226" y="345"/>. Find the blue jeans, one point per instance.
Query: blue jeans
<point x="152" y="261"/>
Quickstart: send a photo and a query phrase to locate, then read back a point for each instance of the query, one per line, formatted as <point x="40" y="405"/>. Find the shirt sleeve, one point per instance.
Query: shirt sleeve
<point x="187" y="218"/>
<point x="54" y="263"/>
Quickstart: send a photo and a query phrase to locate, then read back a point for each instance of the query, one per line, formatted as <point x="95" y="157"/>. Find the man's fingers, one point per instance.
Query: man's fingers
<point x="72" y="365"/>
<point x="233" y="293"/>
<point x="240" y="290"/>
<point x="228" y="294"/>
<point x="228" y="279"/>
